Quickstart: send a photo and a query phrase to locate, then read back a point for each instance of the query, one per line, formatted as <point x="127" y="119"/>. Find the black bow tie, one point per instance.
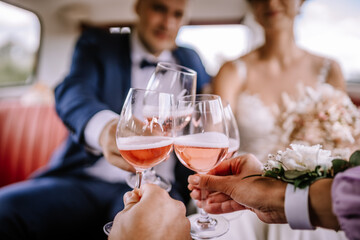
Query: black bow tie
<point x="145" y="63"/>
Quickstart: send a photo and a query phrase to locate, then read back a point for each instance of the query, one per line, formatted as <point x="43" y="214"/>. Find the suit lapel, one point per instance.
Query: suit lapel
<point x="123" y="80"/>
<point x="126" y="63"/>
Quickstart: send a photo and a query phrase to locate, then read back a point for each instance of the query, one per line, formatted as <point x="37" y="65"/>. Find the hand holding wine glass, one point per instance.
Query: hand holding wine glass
<point x="144" y="134"/>
<point x="201" y="145"/>
<point x="136" y="220"/>
<point x="110" y="151"/>
<point x="225" y="185"/>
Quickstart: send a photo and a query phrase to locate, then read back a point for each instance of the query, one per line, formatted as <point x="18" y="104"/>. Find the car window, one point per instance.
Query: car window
<point x="216" y="43"/>
<point x="19" y="45"/>
<point x="331" y="28"/>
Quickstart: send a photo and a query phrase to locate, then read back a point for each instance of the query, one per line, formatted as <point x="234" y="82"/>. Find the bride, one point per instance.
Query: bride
<point x="261" y="85"/>
<point x="257" y="84"/>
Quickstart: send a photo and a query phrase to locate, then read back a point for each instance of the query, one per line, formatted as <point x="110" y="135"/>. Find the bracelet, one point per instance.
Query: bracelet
<point x="297" y="207"/>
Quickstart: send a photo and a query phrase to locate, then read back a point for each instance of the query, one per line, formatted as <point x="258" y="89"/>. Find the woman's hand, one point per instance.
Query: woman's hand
<point x="226" y="189"/>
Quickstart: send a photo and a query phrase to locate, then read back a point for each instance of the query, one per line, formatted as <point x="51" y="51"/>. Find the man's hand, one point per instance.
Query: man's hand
<point x="108" y="144"/>
<point x="228" y="191"/>
<point x="150" y="213"/>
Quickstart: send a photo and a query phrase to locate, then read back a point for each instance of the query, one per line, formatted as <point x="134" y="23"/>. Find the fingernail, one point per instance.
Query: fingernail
<point x="194" y="179"/>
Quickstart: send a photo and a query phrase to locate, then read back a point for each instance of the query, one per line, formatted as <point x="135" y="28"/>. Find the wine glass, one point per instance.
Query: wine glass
<point x="179" y="81"/>
<point x="234" y="136"/>
<point x="144" y="134"/>
<point x="200" y="146"/>
<point x="234" y="145"/>
<point x="173" y="78"/>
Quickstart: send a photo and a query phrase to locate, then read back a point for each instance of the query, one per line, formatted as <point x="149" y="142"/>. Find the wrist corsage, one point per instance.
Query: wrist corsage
<point x="302" y="165"/>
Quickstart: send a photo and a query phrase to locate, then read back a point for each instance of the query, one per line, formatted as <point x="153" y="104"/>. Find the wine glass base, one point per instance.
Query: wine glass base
<point x="107" y="228"/>
<point x="157" y="180"/>
<point x="218" y="227"/>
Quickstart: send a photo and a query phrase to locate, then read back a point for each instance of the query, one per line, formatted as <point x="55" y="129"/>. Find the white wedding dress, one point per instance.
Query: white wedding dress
<point x="257" y="126"/>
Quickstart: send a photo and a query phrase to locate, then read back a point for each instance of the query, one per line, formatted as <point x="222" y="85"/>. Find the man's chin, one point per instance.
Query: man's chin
<point x="159" y="47"/>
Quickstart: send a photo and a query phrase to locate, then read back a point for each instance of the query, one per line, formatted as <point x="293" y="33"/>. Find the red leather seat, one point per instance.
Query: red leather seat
<point x="28" y="137"/>
<point x="356" y="100"/>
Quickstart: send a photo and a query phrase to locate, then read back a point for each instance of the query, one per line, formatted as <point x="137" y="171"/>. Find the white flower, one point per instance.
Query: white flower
<point x="270" y="164"/>
<point x="300" y="158"/>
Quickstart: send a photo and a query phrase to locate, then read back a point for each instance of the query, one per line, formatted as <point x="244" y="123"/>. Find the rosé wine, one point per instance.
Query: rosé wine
<point x="203" y="151"/>
<point x="144" y="151"/>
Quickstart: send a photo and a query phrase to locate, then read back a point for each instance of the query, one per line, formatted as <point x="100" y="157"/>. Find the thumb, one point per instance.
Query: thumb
<point x="130" y="199"/>
<point x="212" y="183"/>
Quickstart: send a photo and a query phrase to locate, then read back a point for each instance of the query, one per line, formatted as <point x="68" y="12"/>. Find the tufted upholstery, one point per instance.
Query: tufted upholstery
<point x="28" y="137"/>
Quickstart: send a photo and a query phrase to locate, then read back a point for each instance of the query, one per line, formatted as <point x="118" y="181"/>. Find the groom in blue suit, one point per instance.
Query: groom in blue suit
<point x="80" y="190"/>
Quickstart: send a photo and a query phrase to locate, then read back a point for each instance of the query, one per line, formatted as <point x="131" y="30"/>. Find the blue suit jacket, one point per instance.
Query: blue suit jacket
<point x="99" y="79"/>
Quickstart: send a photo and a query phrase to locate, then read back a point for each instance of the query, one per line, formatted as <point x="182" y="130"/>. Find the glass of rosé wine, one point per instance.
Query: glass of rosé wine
<point x="179" y="81"/>
<point x="144" y="134"/>
<point x="200" y="146"/>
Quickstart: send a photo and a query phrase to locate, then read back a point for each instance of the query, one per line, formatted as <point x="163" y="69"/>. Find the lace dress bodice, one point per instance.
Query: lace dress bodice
<point x="256" y="126"/>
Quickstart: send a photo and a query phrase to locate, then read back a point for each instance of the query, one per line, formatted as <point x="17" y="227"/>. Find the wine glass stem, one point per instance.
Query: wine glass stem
<point x="138" y="179"/>
<point x="204" y="216"/>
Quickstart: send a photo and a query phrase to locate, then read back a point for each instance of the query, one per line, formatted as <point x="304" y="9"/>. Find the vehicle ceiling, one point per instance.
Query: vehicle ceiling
<point x="106" y="11"/>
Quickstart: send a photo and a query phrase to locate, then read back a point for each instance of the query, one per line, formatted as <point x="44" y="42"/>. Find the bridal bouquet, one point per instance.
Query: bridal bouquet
<point x="301" y="165"/>
<point x="324" y="116"/>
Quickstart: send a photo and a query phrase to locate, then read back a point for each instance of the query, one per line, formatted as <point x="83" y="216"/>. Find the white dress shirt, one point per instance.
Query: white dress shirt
<point x="139" y="78"/>
<point x="297" y="207"/>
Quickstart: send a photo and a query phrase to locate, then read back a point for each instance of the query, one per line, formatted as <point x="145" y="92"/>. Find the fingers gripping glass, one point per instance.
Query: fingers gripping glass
<point x="179" y="81"/>
<point x="201" y="145"/>
<point x="144" y="134"/>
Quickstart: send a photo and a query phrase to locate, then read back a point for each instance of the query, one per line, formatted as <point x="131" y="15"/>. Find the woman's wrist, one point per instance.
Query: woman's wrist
<point x="320" y="205"/>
